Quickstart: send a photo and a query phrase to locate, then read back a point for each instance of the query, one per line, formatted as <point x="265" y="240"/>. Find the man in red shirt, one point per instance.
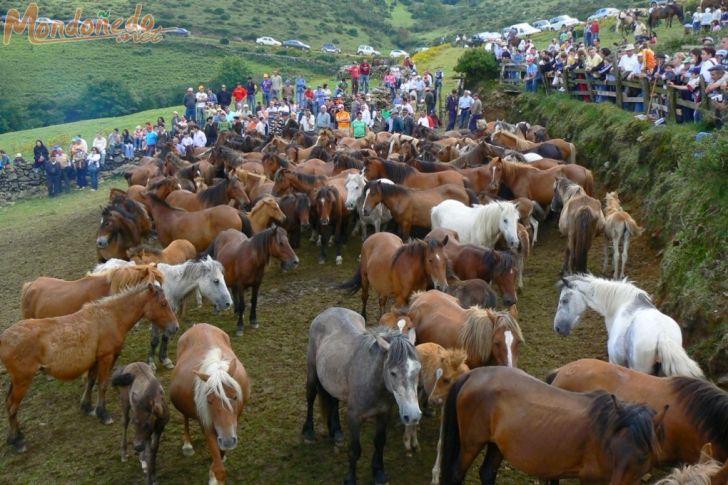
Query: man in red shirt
<point x="595" y="31"/>
<point x="239" y="94"/>
<point x="364" y="69"/>
<point x="355" y="73"/>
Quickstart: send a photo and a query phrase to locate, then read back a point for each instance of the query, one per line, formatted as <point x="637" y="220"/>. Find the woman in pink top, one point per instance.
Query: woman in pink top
<point x="391" y="82"/>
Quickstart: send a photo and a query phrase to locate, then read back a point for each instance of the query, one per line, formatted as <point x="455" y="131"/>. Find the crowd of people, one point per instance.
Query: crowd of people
<point x="633" y="61"/>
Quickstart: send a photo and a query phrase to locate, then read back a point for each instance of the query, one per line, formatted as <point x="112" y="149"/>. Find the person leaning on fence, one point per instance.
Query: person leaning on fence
<point x="692" y="87"/>
<point x="716" y="92"/>
<point x="464" y="104"/>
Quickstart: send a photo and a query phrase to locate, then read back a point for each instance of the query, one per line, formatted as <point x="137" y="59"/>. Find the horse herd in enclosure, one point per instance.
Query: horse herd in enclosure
<point x="464" y="210"/>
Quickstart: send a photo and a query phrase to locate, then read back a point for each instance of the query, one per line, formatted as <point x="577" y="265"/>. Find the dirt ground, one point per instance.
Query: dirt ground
<point x="65" y="446"/>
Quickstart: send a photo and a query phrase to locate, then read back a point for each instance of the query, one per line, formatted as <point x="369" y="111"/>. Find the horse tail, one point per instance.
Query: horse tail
<point x="588" y="182"/>
<point x="473" y="197"/>
<point x="581" y="239"/>
<point x="674" y="361"/>
<point x="25" y="297"/>
<point x="572" y="153"/>
<point x="127" y="176"/>
<point x="450" y="472"/>
<point x="210" y="251"/>
<point x="632" y="228"/>
<point x="353" y="284"/>
<point x="538" y="211"/>
<point x="476" y="336"/>
<point x="122" y="379"/>
<point x="551" y="377"/>
<point x="247" y="227"/>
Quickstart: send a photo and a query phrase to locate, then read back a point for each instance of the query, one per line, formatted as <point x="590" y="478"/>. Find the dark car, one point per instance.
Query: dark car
<point x="476" y="41"/>
<point x="296" y="44"/>
<point x="330" y="48"/>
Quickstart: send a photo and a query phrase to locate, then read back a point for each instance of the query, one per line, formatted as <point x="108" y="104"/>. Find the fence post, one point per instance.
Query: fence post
<point x="672" y="104"/>
<point x="567" y="84"/>
<point x="618" y="89"/>
<point x="646" y="94"/>
<point x="589" y="87"/>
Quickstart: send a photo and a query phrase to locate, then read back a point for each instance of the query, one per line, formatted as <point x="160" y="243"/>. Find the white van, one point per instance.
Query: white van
<point x="522" y="29"/>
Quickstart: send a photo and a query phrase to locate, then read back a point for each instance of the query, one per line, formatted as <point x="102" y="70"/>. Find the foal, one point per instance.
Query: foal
<point x="619" y="225"/>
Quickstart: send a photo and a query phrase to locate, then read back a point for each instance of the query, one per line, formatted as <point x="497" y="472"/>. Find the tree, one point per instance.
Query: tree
<point x="232" y="70"/>
<point x="478" y="66"/>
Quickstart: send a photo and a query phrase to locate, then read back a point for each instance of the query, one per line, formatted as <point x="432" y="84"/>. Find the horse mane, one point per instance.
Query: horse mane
<point x="217" y="369"/>
<point x="706" y="405"/>
<point x="428" y="167"/>
<point x="301" y="200"/>
<point x="163" y="203"/>
<point x="520" y="143"/>
<point x="476" y="336"/>
<point x="484" y="220"/>
<point x="325" y="190"/>
<point x="698" y="474"/>
<point x="388" y="189"/>
<point x="415" y="248"/>
<point x="261" y="241"/>
<point x="320" y="153"/>
<point x="143" y="248"/>
<point x="97" y="307"/>
<point x="308" y="178"/>
<point x="568" y="189"/>
<point x="160" y="183"/>
<point x="215" y="195"/>
<point x="189" y="172"/>
<point x="610" y="294"/>
<point x="608" y="416"/>
<point x="499" y="261"/>
<point x="260" y="202"/>
<point x="176" y="160"/>
<point x="400" y="348"/>
<point x="126" y="277"/>
<point x="345" y="161"/>
<point x="509" y="323"/>
<point x="195" y="269"/>
<point x="281" y="161"/>
<point x="396" y="172"/>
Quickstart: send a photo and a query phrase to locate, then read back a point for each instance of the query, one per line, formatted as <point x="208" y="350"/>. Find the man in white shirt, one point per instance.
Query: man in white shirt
<point x="629" y="65"/>
<point x="198" y="138"/>
<point x="200" y="103"/>
<point x="464" y="103"/>
<point x="100" y="143"/>
<point x="308" y="121"/>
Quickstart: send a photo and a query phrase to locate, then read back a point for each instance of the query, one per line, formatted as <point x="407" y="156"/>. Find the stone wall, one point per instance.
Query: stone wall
<point x="22" y="182"/>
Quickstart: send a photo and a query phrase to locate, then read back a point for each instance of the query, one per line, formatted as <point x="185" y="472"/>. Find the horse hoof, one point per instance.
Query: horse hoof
<point x="338" y="438"/>
<point x="321" y="261"/>
<point x="188" y="450"/>
<point x="239" y="332"/>
<point x="152" y="365"/>
<point x="144" y="465"/>
<point x="254" y="324"/>
<point x="309" y="437"/>
<point x="20" y="447"/>
<point x="105" y="418"/>
<point x="88" y="409"/>
<point x="339" y="260"/>
<point x="167" y="362"/>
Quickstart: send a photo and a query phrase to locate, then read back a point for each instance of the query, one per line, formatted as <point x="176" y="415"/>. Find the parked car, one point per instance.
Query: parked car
<point x="562" y="20"/>
<point x="394" y="53"/>
<point x="422" y="49"/>
<point x="542" y="25"/>
<point x="49" y="22"/>
<point x="603" y="13"/>
<point x="489" y="36"/>
<point x="267" y="41"/>
<point x="521" y="29"/>
<point x="178" y="31"/>
<point x="367" y="50"/>
<point x="330" y="48"/>
<point x="296" y="44"/>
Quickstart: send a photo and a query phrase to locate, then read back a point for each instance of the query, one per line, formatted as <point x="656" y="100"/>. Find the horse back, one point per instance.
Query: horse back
<point x="52" y="297"/>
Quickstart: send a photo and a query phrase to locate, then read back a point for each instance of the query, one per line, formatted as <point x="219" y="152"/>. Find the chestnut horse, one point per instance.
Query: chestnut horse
<point x="222" y="193"/>
<point x="141" y="175"/>
<point x="177" y="252"/>
<point x="698" y="409"/>
<point x="199" y="228"/>
<point x="581" y="220"/>
<point x="410" y="207"/>
<point x="543" y="431"/>
<point x="538" y="185"/>
<point x="706" y="472"/>
<point x="330" y="205"/>
<point x="87" y="341"/>
<point x="618" y="226"/>
<point x="264" y="213"/>
<point x="555" y="148"/>
<point x="403" y="174"/>
<point x="52" y="297"/>
<point x="124" y="222"/>
<point x="396" y="269"/>
<point x="296" y="208"/>
<point x="245" y="260"/>
<point x="209" y="384"/>
<point x="488" y="337"/>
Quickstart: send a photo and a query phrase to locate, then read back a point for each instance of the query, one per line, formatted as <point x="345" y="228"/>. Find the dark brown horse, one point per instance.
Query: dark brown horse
<point x="141" y="175"/>
<point x="199" y="228"/>
<point x="343" y="161"/>
<point x="667" y="12"/>
<point x="555" y="148"/>
<point x="245" y="260"/>
<point x="330" y="206"/>
<point x="287" y="181"/>
<point x="543" y="431"/>
<point x="124" y="223"/>
<point x="224" y="192"/>
<point x="296" y="208"/>
<point x="403" y="174"/>
<point x="397" y="270"/>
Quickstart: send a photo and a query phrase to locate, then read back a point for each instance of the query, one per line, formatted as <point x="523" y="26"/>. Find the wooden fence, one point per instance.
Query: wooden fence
<point x="656" y="96"/>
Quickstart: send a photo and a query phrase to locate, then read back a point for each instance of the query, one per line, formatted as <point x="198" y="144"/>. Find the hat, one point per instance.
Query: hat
<point x="200" y="87"/>
<point x="708" y="39"/>
<point x="629" y="47"/>
<point x="722" y="52"/>
<point x="695" y="70"/>
<point x="18" y="155"/>
<point x="190" y="89"/>
<point x="719" y="68"/>
<point x="660" y="56"/>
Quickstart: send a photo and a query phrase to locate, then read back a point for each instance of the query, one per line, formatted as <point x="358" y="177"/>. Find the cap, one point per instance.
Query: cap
<point x="717" y="68"/>
<point x="722" y="52"/>
<point x="18" y="155"/>
<point x="629" y="47"/>
<point x="695" y="70"/>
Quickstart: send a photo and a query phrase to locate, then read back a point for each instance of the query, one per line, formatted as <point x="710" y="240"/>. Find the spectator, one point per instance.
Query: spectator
<point x="354" y="73"/>
<point x="408" y="123"/>
<point x="127" y="145"/>
<point x="138" y="138"/>
<point x="707" y="58"/>
<point x="323" y="120"/>
<point x="266" y="88"/>
<point x="93" y="165"/>
<point x="224" y="124"/>
<point x="181" y="149"/>
<point x="343" y="118"/>
<point x="276" y="84"/>
<point x="4" y="160"/>
<point x="423" y="120"/>
<point x="476" y="112"/>
<point x="239" y="95"/>
<point x="721" y="57"/>
<point x="79" y="164"/>
<point x="452" y="109"/>
<point x="706" y="20"/>
<point x="161" y="122"/>
<point x="531" y="73"/>
<point x="175" y="123"/>
<point x="114" y="142"/>
<point x="150" y="139"/>
<point x="200" y="104"/>
<point x="210" y="131"/>
<point x="364" y="70"/>
<point x="189" y="101"/>
<point x="308" y="121"/>
<point x="366" y="115"/>
<point x="187" y="142"/>
<point x="223" y="96"/>
<point x="53" y="173"/>
<point x="251" y="89"/>
<point x="211" y="98"/>
<point x="465" y="103"/>
<point x="300" y="89"/>
<point x="397" y="123"/>
<point x="40" y="155"/>
<point x="199" y="140"/>
<point x="697" y="17"/>
<point x="359" y="128"/>
<point x="100" y="143"/>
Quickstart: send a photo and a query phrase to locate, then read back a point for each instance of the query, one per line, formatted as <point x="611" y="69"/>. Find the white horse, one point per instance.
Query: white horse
<point x="640" y="336"/>
<point x="356" y="193"/>
<point x="480" y="224"/>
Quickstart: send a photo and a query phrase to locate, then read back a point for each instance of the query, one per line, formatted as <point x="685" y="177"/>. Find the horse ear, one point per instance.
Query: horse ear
<point x="660" y="417"/>
<point x="706" y="453"/>
<point x="203" y="377"/>
<point x="444" y="241"/>
<point x="400" y="325"/>
<point x="232" y="367"/>
<point x="513" y="311"/>
<point x="617" y="405"/>
<point x="383" y="344"/>
<point x="565" y="282"/>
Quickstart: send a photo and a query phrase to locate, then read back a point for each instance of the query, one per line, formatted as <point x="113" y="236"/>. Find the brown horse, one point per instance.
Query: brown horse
<point x="141" y="175"/>
<point x="581" y="220"/>
<point x="555" y="148"/>
<point x="544" y="431"/>
<point x="488" y="338"/>
<point x="87" y="341"/>
<point x="226" y="192"/>
<point x="51" y="297"/>
<point x="296" y="208"/>
<point x="199" y="228"/>
<point x="706" y="472"/>
<point x="245" y="260"/>
<point x="286" y="181"/>
<point x="209" y="384"/>
<point x="468" y="261"/>
<point x="330" y="206"/>
<point x="343" y="161"/>
<point x="667" y="12"/>
<point x="698" y="409"/>
<point x="141" y="391"/>
<point x="264" y="213"/>
<point x="529" y="182"/>
<point x="397" y="270"/>
<point x="475" y="292"/>
<point x="411" y="207"/>
<point x="177" y="252"/>
<point x="256" y="185"/>
<point x="124" y="222"/>
<point x="403" y="174"/>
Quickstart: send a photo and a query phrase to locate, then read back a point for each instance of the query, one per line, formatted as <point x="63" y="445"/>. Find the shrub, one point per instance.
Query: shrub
<point x="224" y="41"/>
<point x="478" y="66"/>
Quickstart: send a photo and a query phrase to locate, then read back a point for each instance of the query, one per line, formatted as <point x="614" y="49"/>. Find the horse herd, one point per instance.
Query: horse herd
<point x="463" y="210"/>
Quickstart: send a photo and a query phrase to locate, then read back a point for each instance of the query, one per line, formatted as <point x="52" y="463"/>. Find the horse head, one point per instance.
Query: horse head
<point x="507" y="339"/>
<point x="211" y="283"/>
<point x="355" y="184"/>
<point x="373" y="191"/>
<point x="436" y="262"/>
<point x="440" y="369"/>
<point x="219" y="398"/>
<point x="572" y="304"/>
<point x="401" y="374"/>
<point x="159" y="311"/>
<point x="235" y="191"/>
<point x="281" y="249"/>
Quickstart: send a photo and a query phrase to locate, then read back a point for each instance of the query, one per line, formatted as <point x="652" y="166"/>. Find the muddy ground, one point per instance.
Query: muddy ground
<point x="65" y="446"/>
